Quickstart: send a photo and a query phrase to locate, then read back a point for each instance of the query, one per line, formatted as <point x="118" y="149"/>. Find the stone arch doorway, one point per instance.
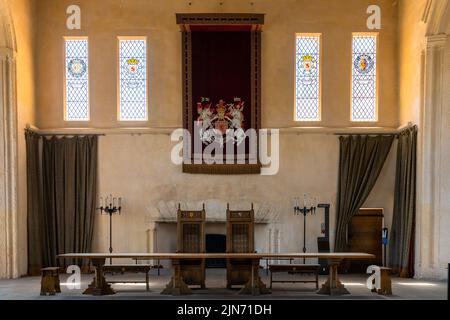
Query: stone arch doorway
<point x="8" y="146"/>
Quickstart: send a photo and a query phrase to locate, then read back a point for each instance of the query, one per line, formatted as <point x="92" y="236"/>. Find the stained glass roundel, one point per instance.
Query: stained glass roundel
<point x="364" y="63"/>
<point x="77" y="68"/>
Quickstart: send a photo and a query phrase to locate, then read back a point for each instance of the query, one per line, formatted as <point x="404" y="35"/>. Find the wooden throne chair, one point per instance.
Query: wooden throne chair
<point x="240" y="239"/>
<point x="191" y="239"/>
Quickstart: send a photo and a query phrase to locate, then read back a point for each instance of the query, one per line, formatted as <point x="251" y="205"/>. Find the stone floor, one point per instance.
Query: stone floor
<point x="410" y="289"/>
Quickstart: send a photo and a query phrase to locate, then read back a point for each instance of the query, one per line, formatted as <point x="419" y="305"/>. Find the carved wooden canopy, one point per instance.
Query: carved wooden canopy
<point x="186" y="20"/>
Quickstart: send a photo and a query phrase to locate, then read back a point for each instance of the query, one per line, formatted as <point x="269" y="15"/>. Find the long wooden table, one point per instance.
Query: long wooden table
<point x="177" y="286"/>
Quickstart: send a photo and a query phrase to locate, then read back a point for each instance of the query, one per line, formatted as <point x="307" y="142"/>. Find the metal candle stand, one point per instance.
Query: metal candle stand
<point x="305" y="210"/>
<point x="110" y="209"/>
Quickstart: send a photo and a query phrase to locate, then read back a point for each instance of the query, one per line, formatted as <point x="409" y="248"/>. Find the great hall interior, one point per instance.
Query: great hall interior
<point x="224" y="148"/>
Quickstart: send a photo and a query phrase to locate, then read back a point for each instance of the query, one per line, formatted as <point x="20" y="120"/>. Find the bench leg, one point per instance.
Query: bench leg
<point x="147" y="285"/>
<point x="386" y="284"/>
<point x="317" y="280"/>
<point x="48" y="285"/>
<point x="271" y="279"/>
<point x="57" y="284"/>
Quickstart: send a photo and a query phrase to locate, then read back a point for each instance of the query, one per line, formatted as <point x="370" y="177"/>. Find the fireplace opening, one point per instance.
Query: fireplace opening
<point x="216" y="243"/>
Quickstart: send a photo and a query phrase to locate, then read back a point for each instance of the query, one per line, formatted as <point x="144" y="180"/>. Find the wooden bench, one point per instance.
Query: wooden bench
<point x="50" y="281"/>
<point x="156" y="266"/>
<point x="386" y="283"/>
<point x="122" y="268"/>
<point x="295" y="269"/>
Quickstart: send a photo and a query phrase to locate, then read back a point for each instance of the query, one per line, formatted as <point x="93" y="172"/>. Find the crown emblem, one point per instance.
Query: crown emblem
<point x="221" y="108"/>
<point x="133" y="61"/>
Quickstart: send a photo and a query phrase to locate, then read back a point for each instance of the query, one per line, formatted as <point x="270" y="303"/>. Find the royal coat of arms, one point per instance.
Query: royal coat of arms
<point x="308" y="68"/>
<point x="221" y="123"/>
<point x="133" y="71"/>
<point x="132" y="66"/>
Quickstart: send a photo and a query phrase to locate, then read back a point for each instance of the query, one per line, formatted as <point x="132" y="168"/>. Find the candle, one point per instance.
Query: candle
<point x="304" y="200"/>
<point x="114" y="202"/>
<point x="120" y="202"/>
<point x="106" y="201"/>
<point x="101" y="202"/>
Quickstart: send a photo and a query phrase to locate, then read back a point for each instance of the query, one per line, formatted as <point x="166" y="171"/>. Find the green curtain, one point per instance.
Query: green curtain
<point x="34" y="203"/>
<point x="360" y="164"/>
<point x="70" y="181"/>
<point x="401" y="248"/>
<point x="61" y="201"/>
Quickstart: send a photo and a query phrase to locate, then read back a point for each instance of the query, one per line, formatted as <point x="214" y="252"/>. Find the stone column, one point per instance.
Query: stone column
<point x="152" y="241"/>
<point x="429" y="160"/>
<point x="8" y="166"/>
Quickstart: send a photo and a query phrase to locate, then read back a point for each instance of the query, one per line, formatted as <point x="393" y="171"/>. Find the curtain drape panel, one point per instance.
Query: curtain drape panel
<point x="401" y="249"/>
<point x="69" y="179"/>
<point x="34" y="203"/>
<point x="360" y="164"/>
<point x="64" y="220"/>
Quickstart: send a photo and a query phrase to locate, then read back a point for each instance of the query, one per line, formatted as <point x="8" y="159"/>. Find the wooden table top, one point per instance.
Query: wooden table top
<point x="185" y="256"/>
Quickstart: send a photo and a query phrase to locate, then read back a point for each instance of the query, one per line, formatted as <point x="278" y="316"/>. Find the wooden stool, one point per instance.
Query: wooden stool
<point x="386" y="283"/>
<point x="50" y="281"/>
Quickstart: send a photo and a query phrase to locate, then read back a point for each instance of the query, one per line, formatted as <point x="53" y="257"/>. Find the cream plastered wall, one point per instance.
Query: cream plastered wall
<point x="411" y="43"/>
<point x="24" y="15"/>
<point x="104" y="20"/>
<point x="138" y="167"/>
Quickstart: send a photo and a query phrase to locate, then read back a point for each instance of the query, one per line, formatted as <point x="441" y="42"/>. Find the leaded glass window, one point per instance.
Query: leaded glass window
<point x="133" y="79"/>
<point x="307" y="78"/>
<point x="77" y="80"/>
<point x="364" y="79"/>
